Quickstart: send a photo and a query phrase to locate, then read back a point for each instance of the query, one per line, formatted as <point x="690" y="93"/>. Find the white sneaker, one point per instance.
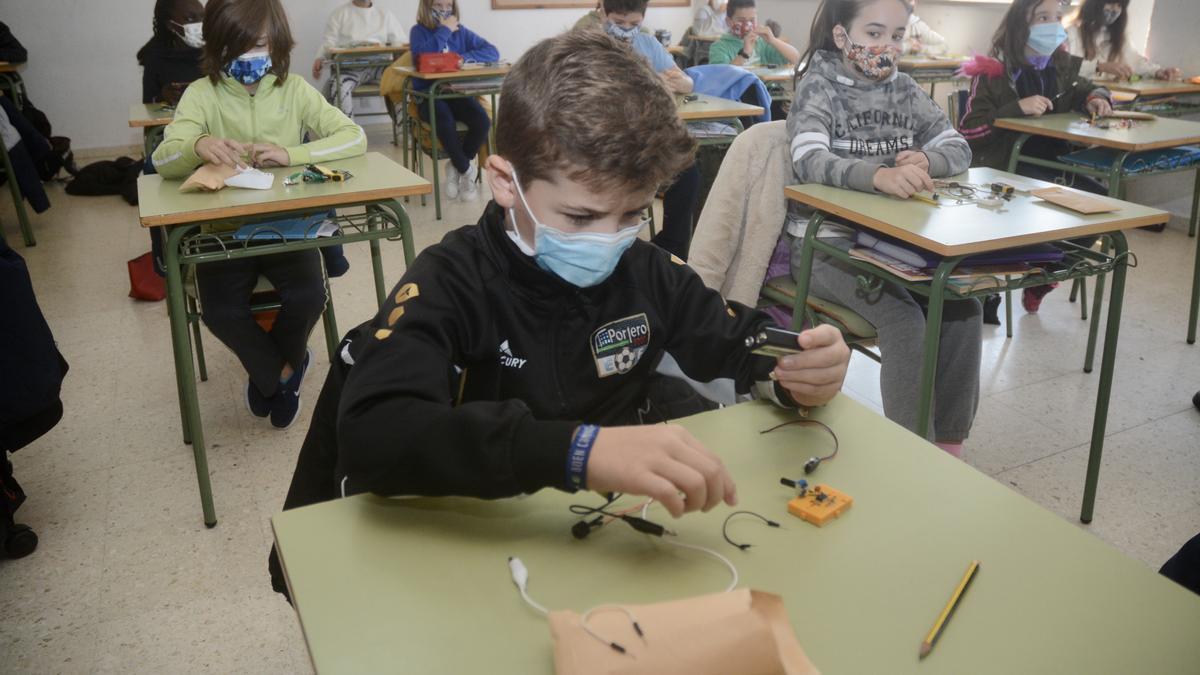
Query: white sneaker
<point x="450" y="182"/>
<point x="466" y="183"/>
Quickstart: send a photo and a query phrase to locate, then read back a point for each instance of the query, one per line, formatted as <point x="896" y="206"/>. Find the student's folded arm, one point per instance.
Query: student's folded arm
<point x="708" y="335"/>
<point x="400" y="431"/>
<point x="947" y="150"/>
<point x="982" y="111"/>
<point x="783" y="53"/>
<point x="478" y="50"/>
<point x="176" y="156"/>
<point x="421" y="40"/>
<point x="810" y="126"/>
<point x="337" y="136"/>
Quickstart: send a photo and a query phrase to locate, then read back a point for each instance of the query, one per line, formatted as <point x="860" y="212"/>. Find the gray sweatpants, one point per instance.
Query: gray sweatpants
<point x="900" y="323"/>
<point x="351" y="78"/>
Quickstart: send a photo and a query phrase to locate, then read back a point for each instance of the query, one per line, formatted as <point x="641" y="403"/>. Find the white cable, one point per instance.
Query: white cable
<point x="732" y="570"/>
<point x="520" y="577"/>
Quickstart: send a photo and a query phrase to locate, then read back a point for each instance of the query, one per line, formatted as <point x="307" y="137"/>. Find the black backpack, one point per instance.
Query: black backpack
<point x="115" y="177"/>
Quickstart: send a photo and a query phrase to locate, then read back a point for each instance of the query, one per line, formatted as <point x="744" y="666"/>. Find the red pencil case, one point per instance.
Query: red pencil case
<point x="438" y="62"/>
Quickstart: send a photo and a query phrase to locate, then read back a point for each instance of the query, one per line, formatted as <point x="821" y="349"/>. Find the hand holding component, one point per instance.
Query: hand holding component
<point x="660" y="462"/>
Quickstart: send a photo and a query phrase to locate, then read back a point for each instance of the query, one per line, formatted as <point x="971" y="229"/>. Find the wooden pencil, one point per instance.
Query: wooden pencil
<point x="936" y="631"/>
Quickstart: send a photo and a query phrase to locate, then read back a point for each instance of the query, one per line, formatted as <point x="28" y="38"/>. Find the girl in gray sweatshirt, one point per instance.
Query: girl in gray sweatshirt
<point x="858" y="123"/>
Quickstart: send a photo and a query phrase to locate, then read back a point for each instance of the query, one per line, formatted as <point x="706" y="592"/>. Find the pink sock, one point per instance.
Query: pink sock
<point x="952" y="448"/>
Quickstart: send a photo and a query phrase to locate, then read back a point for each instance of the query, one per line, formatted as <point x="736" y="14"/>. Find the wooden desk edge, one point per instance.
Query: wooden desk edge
<point x="1013" y="124"/>
<point x="378" y="49"/>
<point x="161" y="122"/>
<point x="1175" y="88"/>
<point x="467" y="72"/>
<point x="264" y="208"/>
<point x="978" y="247"/>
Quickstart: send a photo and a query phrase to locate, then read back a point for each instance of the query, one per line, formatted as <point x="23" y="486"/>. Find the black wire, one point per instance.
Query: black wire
<point x="725" y="527"/>
<point x="807" y="422"/>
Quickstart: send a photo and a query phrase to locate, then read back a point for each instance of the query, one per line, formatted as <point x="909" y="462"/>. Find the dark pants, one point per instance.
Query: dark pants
<point x="679" y="213"/>
<point x="469" y="112"/>
<point x="225" y="288"/>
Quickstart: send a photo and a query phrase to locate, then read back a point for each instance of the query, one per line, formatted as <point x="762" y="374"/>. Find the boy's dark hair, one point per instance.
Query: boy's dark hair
<point x="625" y="6"/>
<point x="776" y="29"/>
<point x="1008" y="44"/>
<point x="232" y="27"/>
<point x="829" y="14"/>
<point x="1091" y="27"/>
<point x="165" y="12"/>
<point x="734" y="5"/>
<point x="589" y="105"/>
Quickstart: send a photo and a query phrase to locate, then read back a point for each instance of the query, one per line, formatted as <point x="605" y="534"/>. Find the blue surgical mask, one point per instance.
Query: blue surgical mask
<point x="1045" y="38"/>
<point x="250" y="67"/>
<point x="622" y="34"/>
<point x="582" y="259"/>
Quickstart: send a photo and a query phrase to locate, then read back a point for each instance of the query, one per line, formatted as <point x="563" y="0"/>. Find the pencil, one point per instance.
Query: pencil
<point x="936" y="631"/>
<point x="922" y="198"/>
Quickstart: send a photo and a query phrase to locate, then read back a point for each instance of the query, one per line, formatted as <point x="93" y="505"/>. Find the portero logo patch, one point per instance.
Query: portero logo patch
<point x="618" y="346"/>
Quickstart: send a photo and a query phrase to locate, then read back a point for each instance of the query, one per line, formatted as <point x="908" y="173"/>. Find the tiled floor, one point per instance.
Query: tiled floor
<point x="127" y="579"/>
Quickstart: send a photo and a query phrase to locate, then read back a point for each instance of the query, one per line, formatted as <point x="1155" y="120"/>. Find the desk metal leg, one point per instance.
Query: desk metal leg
<point x="1107" y="362"/>
<point x="185" y="375"/>
<point x="1015" y="157"/>
<point x="434" y="144"/>
<point x="18" y="200"/>
<point x="337" y="82"/>
<point x="376" y="254"/>
<point x="804" y="275"/>
<point x="933" y="336"/>
<point x="1191" y="335"/>
<point x="1116" y="189"/>
<point x="1194" y="221"/>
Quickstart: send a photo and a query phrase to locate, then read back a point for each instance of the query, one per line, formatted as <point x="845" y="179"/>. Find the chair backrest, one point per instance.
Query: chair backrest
<point x="956" y="105"/>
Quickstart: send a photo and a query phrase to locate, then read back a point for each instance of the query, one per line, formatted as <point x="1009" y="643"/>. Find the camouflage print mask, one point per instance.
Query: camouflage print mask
<point x="875" y="63"/>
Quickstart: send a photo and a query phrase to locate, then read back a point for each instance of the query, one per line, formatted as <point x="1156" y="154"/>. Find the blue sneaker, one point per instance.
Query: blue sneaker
<point x="256" y="403"/>
<point x="285" y="405"/>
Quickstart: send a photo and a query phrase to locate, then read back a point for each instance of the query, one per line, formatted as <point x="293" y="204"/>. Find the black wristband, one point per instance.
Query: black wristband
<point x="742" y="53"/>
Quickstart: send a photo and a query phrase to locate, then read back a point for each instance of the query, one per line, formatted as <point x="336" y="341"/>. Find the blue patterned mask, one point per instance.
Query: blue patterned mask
<point x="250" y="67"/>
<point x="622" y="34"/>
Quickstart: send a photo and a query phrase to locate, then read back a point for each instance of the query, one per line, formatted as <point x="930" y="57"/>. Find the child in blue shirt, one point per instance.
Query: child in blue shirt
<point x="438" y="29"/>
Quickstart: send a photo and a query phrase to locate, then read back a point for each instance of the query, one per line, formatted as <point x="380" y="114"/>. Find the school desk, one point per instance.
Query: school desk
<point x="1145" y="135"/>
<point x="706" y="108"/>
<point x="378" y="184"/>
<point x="1160" y="97"/>
<point x="777" y="80"/>
<point x="485" y="81"/>
<point x="932" y="70"/>
<point x="956" y="231"/>
<point x="152" y="119"/>
<point x="362" y="58"/>
<point x="423" y="586"/>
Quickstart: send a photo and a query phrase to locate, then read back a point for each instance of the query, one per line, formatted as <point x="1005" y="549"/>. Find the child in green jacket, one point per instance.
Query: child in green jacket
<point x="248" y="111"/>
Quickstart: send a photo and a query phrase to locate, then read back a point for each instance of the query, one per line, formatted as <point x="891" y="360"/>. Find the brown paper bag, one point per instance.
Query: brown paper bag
<point x="1077" y="201"/>
<point x="208" y="178"/>
<point x="743" y="631"/>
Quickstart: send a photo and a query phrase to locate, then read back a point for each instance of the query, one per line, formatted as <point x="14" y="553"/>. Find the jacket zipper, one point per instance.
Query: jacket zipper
<point x="562" y="401"/>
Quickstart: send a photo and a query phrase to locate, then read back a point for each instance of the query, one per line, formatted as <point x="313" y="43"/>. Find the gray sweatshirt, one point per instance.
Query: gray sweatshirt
<point x="843" y="129"/>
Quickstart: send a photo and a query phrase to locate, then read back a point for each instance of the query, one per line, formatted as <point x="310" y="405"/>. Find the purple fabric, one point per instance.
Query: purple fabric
<point x="780" y="266"/>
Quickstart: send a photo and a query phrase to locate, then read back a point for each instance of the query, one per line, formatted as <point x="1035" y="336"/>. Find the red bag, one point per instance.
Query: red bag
<point x="438" y="62"/>
<point x="144" y="282"/>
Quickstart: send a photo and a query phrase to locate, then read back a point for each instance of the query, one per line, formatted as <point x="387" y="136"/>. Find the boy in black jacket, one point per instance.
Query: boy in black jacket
<point x="521" y="353"/>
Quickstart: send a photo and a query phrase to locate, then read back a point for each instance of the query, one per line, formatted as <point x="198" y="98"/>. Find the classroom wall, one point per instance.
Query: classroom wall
<point x="83" y="74"/>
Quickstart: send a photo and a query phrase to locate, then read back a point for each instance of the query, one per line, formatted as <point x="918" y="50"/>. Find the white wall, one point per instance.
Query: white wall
<point x="83" y="74"/>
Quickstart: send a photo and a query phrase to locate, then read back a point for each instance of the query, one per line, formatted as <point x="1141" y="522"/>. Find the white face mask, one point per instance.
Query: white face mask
<point x="192" y="35"/>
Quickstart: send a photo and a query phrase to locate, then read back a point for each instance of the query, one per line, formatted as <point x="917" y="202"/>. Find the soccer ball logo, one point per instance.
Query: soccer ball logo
<point x="625" y="360"/>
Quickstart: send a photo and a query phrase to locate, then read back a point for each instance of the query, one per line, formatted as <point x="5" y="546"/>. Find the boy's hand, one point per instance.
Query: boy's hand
<point x="1099" y="105"/>
<point x="269" y="154"/>
<point x="659" y="461"/>
<point x="915" y="47"/>
<point x="1035" y="106"/>
<point x="814" y="376"/>
<point x="317" y="65"/>
<point x="913" y="158"/>
<point x="749" y="41"/>
<point x="902" y="181"/>
<point x="172" y="92"/>
<point x="221" y="151"/>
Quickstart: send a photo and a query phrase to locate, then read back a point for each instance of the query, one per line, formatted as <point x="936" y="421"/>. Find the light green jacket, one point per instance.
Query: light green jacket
<point x="278" y="115"/>
<point x="726" y="49"/>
